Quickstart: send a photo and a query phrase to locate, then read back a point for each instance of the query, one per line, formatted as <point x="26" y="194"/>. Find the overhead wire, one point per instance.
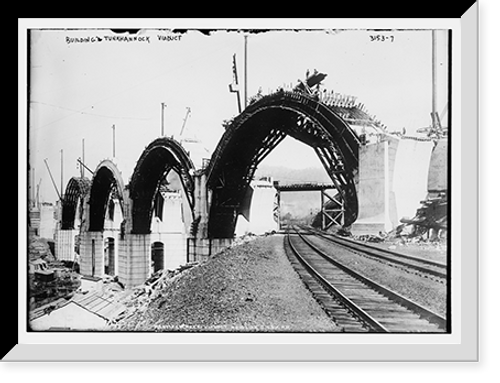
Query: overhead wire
<point x="82" y="110"/>
<point x="88" y="113"/>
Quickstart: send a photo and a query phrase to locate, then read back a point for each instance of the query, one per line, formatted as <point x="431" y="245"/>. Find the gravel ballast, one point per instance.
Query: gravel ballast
<point x="247" y="288"/>
<point x="425" y="291"/>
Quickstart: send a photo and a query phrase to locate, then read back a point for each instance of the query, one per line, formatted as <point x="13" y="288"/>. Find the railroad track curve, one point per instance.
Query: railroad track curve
<point x="422" y="265"/>
<point x="377" y="307"/>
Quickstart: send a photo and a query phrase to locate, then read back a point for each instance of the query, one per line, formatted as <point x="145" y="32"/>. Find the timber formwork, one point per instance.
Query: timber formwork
<point x="253" y="134"/>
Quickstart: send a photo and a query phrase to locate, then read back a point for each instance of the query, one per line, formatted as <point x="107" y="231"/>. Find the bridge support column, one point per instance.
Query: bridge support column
<point x="201" y="204"/>
<point x="201" y="247"/>
<point x="92" y="254"/>
<point x="377" y="204"/>
<point x="134" y="259"/>
<point x="65" y="244"/>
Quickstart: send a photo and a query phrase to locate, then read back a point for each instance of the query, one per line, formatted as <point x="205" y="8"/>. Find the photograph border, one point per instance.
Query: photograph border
<point x="461" y="345"/>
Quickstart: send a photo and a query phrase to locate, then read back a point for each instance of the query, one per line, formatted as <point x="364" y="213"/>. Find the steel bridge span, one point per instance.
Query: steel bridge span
<point x="215" y="193"/>
<point x="254" y="133"/>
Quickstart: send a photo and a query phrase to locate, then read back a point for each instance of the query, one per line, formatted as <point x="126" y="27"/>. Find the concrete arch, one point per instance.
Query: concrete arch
<point x="253" y="134"/>
<point x="157" y="160"/>
<point x="76" y="190"/>
<point x="107" y="179"/>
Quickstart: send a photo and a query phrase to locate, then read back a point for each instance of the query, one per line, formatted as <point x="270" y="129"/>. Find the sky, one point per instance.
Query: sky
<point x="84" y="81"/>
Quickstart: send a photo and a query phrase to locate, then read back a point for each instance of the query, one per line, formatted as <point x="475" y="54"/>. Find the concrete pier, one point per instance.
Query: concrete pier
<point x="134" y="259"/>
<point x="65" y="244"/>
<point x="92" y="254"/>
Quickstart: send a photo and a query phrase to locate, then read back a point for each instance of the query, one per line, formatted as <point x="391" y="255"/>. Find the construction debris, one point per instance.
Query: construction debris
<point x="48" y="279"/>
<point x="371" y="238"/>
<point x="137" y="299"/>
<point x="39" y="248"/>
<point x="430" y="221"/>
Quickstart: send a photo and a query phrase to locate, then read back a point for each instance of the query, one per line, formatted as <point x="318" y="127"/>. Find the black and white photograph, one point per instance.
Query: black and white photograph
<point x="248" y="181"/>
<point x="239" y="180"/>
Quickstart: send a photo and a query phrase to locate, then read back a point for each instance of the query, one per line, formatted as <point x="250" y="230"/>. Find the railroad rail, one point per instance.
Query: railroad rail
<point x="379" y="308"/>
<point x="426" y="266"/>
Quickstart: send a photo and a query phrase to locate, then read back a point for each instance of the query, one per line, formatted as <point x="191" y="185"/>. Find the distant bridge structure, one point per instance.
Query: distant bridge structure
<point x="302" y="186"/>
<point x="331" y="213"/>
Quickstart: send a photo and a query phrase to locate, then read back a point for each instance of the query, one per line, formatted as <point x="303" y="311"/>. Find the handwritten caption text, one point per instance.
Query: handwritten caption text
<point x="126" y="39"/>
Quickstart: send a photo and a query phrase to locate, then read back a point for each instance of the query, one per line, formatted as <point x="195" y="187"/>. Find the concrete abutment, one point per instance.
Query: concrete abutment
<point x="393" y="180"/>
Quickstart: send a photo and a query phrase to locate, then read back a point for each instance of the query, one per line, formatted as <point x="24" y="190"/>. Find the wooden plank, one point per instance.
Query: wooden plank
<point x="93" y="306"/>
<point x="87" y="299"/>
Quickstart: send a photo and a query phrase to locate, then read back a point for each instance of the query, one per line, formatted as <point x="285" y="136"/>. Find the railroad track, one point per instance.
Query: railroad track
<point x="421" y="265"/>
<point x="376" y="307"/>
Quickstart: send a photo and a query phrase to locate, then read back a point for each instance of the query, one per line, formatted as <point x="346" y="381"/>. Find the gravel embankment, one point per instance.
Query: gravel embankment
<point x="247" y="288"/>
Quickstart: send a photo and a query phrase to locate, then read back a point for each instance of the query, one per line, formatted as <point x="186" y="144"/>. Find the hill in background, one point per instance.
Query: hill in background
<point x="288" y="175"/>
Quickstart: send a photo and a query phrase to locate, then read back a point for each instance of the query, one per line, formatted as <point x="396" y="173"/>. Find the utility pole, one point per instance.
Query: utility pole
<point x="434" y="79"/>
<point x="245" y="68"/>
<point x="162" y="119"/>
<point x="114" y="153"/>
<point x="37" y="198"/>
<point x="235" y="87"/>
<point x="62" y="184"/>
<point x="32" y="187"/>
